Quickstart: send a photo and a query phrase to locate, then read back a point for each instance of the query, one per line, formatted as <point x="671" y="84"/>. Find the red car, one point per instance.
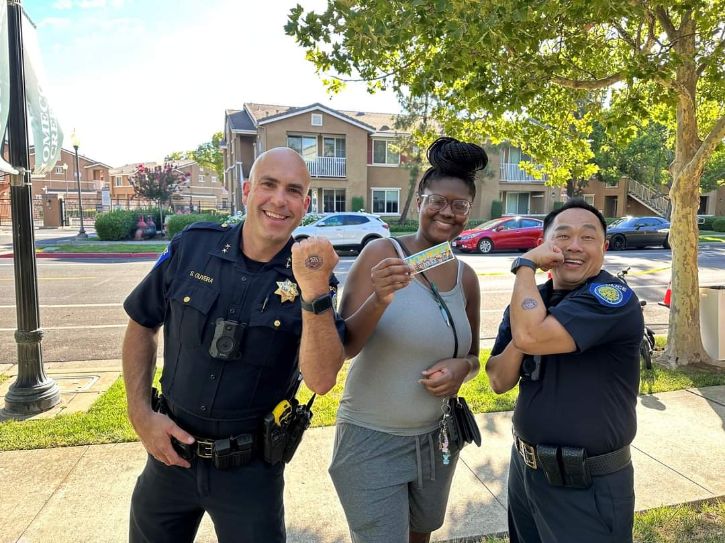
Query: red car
<point x="506" y="233"/>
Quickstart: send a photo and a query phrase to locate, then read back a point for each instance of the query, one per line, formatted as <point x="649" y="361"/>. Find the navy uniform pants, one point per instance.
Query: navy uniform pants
<point x="245" y="503"/>
<point x="541" y="513"/>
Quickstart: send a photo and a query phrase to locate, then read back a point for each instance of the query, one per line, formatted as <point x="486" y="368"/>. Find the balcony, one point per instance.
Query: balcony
<point x="326" y="166"/>
<point x="511" y="173"/>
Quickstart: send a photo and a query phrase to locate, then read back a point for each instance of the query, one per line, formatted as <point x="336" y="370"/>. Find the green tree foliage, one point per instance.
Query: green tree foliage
<point x="157" y="184"/>
<point x="208" y="155"/>
<point x="540" y="74"/>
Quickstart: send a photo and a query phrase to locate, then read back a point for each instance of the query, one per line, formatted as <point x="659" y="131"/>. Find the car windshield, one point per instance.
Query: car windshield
<point x="488" y="224"/>
<point x="619" y="222"/>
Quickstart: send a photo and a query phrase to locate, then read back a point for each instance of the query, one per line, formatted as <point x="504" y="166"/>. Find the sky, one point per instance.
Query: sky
<point x="138" y="79"/>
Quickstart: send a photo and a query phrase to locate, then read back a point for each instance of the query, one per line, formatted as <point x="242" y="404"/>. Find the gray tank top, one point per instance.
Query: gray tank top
<point x="382" y="391"/>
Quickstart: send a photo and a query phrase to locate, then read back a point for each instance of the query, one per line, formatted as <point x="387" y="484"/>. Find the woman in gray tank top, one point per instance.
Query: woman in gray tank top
<point x="391" y="466"/>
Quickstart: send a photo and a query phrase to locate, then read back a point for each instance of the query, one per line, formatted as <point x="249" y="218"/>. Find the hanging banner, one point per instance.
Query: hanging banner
<point x="4" y="84"/>
<point x="47" y="135"/>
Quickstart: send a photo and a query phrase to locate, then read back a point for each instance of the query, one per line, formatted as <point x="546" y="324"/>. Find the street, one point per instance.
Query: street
<point x="83" y="318"/>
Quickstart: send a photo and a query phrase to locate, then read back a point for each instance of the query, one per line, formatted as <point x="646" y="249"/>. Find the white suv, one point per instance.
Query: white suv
<point x="345" y="230"/>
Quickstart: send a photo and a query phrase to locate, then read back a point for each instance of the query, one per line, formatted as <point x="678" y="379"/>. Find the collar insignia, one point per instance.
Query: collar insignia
<point x="287" y="290"/>
<point x="226" y="248"/>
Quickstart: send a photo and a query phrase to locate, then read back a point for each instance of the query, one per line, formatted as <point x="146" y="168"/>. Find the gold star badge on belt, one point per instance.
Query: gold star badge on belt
<point x="287" y="290"/>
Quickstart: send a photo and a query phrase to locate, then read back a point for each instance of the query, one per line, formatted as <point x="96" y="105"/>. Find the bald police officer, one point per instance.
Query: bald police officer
<point x="240" y="306"/>
<point x="572" y="344"/>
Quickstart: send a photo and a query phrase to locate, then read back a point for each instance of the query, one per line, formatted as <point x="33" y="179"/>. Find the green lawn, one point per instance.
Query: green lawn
<point x="693" y="523"/>
<point x="106" y="421"/>
<point x="712" y="236"/>
<point x="106" y="248"/>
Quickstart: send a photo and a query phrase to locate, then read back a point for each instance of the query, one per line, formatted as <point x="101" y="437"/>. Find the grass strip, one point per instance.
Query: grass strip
<point x="702" y="522"/>
<point x="106" y="248"/>
<point x="106" y="421"/>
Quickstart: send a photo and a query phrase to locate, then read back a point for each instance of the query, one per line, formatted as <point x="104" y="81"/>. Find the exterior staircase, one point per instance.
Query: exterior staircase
<point x="657" y="202"/>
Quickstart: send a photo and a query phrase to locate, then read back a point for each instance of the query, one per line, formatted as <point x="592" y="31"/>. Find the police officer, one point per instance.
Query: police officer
<point x="239" y="306"/>
<point x="572" y="344"/>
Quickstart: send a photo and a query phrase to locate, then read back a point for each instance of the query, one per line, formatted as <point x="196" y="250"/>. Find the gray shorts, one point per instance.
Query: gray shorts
<point x="389" y="485"/>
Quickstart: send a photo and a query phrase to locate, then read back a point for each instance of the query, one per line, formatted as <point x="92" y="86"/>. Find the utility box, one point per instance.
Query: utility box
<point x="712" y="320"/>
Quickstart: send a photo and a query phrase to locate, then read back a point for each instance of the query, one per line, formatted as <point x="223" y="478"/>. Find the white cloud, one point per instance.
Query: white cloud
<point x="91" y="4"/>
<point x="63" y="4"/>
<point x="54" y="22"/>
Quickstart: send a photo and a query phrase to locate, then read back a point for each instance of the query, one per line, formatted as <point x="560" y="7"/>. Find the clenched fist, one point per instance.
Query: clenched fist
<point x="313" y="260"/>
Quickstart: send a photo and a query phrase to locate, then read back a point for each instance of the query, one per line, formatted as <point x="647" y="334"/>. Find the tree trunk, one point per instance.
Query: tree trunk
<point x="412" y="179"/>
<point x="684" y="344"/>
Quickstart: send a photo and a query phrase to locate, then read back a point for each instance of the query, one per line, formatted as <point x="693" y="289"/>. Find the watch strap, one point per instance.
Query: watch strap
<point x="521" y="261"/>
<point x="318" y="305"/>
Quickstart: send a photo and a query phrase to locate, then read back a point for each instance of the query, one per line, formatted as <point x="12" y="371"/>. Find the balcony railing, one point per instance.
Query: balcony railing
<point x="327" y="166"/>
<point x="512" y="173"/>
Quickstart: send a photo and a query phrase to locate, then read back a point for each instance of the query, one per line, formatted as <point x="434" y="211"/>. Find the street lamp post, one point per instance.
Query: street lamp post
<point x="33" y="391"/>
<point x="65" y="176"/>
<point x="76" y="143"/>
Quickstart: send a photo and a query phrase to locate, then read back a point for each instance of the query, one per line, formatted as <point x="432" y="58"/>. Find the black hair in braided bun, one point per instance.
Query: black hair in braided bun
<point x="452" y="158"/>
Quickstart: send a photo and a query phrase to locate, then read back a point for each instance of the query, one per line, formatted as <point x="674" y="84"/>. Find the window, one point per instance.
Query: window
<point x="214" y="179"/>
<point x="118" y="181"/>
<point x="333" y="146"/>
<point x="384" y="153"/>
<point x="352" y="220"/>
<point x="531" y="223"/>
<point x="333" y="200"/>
<point x="306" y="146"/>
<point x="59" y="170"/>
<point x="589" y="198"/>
<point x="386" y="201"/>
<point x="517" y="203"/>
<point x="202" y="178"/>
<point x="316" y="119"/>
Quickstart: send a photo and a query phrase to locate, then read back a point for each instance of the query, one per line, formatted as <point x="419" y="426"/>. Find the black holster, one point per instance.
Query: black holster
<point x="564" y="466"/>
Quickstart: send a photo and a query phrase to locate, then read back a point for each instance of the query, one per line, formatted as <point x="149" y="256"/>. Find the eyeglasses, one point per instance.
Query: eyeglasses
<point x="436" y="202"/>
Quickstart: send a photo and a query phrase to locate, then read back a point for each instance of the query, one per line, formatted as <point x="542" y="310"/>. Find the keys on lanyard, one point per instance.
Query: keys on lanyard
<point x="443" y="438"/>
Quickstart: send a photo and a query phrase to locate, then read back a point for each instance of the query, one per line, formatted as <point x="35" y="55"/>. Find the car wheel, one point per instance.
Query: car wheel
<point x="666" y="243"/>
<point x="485" y="246"/>
<point x="618" y="243"/>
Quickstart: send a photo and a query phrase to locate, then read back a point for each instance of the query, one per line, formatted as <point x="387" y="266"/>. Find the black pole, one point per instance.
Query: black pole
<point x="32" y="392"/>
<point x="82" y="232"/>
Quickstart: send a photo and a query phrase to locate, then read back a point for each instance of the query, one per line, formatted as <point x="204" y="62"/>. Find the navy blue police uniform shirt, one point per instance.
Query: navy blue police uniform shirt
<point x="201" y="277"/>
<point x="586" y="398"/>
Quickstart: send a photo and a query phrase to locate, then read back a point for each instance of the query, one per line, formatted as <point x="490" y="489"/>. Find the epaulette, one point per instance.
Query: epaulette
<point x="208" y="226"/>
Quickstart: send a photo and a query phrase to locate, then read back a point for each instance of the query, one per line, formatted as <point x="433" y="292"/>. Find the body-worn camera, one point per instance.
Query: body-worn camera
<point x="227" y="341"/>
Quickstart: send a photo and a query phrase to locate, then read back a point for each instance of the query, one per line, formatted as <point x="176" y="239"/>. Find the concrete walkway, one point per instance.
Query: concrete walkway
<point x="81" y="494"/>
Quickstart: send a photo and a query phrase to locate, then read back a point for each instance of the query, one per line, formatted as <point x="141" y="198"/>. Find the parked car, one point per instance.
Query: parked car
<point x="638" y="232"/>
<point x="509" y="233"/>
<point x="345" y="230"/>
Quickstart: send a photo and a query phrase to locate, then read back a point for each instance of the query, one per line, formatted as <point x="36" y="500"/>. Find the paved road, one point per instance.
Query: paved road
<point x="82" y="315"/>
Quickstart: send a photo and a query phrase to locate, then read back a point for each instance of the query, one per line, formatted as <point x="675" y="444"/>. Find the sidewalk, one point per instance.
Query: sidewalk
<point x="79" y="494"/>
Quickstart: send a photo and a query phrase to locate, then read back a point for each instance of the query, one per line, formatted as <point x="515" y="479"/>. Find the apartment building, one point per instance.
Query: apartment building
<point x="353" y="154"/>
<point x="200" y="190"/>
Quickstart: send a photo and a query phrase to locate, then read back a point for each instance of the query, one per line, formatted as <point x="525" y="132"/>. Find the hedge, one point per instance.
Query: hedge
<point x="116" y="225"/>
<point x="708" y="222"/>
<point x="719" y="224"/>
<point x="177" y="223"/>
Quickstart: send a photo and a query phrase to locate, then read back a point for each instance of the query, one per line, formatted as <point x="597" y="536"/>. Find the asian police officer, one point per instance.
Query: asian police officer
<point x="572" y="344"/>
<point x="240" y="306"/>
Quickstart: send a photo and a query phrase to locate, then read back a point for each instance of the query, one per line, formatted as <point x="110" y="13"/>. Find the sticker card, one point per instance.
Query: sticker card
<point x="430" y="258"/>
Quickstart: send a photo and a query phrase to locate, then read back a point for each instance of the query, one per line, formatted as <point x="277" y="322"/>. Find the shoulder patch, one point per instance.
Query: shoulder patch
<point x="164" y="256"/>
<point x="611" y="294"/>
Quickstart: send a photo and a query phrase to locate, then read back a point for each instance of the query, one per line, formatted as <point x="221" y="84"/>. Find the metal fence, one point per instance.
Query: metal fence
<point x="93" y="206"/>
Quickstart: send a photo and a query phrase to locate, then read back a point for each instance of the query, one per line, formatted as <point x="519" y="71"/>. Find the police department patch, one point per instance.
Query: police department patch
<point x="164" y="256"/>
<point x="611" y="294"/>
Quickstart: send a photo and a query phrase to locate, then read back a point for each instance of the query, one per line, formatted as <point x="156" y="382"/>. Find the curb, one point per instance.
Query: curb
<point x="88" y="255"/>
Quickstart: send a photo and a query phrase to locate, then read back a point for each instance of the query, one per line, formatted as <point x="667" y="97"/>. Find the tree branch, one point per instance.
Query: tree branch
<point x="666" y="23"/>
<point x="707" y="147"/>
<point x="715" y="53"/>
<point x="593" y="84"/>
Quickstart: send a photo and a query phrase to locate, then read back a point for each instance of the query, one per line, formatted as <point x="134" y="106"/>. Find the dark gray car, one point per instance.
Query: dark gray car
<point x="638" y="232"/>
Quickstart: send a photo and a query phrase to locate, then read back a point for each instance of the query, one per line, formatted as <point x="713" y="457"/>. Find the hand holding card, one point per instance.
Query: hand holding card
<point x="431" y="257"/>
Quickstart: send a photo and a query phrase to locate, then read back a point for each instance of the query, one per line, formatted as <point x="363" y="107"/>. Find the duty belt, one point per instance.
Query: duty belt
<point x="570" y="466"/>
<point x="226" y="453"/>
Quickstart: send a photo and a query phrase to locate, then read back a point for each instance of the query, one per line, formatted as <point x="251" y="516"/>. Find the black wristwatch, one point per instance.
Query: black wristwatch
<point x="318" y="305"/>
<point x="521" y="261"/>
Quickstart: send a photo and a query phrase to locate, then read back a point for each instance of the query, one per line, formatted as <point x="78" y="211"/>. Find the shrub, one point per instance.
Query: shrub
<point x="557" y="205"/>
<point x="707" y="222"/>
<point x="178" y="222"/>
<point x="358" y="204"/>
<point x="116" y="225"/>
<point x="496" y="209"/>
<point x="719" y="224"/>
<point x="409" y="225"/>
